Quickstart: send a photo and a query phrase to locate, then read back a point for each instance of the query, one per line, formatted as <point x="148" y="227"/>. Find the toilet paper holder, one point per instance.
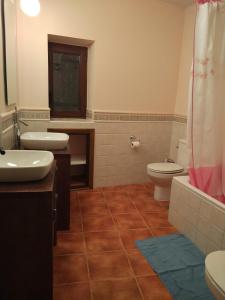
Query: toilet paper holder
<point x="134" y="139"/>
<point x="134" y="142"/>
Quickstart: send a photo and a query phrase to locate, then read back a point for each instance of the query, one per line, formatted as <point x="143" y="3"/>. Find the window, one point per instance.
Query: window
<point x="67" y="80"/>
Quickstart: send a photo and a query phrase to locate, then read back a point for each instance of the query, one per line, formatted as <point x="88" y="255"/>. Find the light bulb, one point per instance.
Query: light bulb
<point x="30" y="7"/>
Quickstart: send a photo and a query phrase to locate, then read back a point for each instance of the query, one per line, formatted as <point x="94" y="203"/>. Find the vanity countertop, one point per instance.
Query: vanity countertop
<point x="44" y="185"/>
<point x="65" y="151"/>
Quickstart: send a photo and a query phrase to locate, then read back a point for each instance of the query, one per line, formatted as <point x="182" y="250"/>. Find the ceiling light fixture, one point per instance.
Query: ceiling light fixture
<point x="30" y="7"/>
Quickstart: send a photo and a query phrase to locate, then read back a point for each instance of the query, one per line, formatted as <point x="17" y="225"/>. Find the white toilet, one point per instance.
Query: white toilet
<point x="161" y="174"/>
<point x="215" y="273"/>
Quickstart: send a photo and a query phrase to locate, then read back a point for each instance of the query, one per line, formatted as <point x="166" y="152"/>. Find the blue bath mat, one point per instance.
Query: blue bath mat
<point x="179" y="264"/>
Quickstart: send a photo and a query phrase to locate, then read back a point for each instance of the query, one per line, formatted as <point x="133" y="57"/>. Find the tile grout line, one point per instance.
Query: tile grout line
<point x="125" y="252"/>
<point x="136" y="280"/>
<point x="149" y="227"/>
<point x="137" y="283"/>
<point x="104" y="279"/>
<point x="85" y="251"/>
<point x="143" y="219"/>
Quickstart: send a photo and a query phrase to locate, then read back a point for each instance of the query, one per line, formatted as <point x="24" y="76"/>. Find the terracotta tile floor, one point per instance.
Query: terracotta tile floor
<point x="97" y="259"/>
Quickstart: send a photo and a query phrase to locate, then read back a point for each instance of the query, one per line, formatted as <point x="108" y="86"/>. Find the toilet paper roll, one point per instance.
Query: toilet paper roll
<point x="135" y="144"/>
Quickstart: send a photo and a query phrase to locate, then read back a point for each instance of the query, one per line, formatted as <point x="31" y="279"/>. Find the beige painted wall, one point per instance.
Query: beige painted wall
<point x="133" y="63"/>
<point x="185" y="61"/>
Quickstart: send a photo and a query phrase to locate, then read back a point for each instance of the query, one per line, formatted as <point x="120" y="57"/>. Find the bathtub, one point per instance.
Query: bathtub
<point x="196" y="215"/>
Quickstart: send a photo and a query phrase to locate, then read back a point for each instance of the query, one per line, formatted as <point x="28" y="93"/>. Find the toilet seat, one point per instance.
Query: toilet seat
<point x="215" y="270"/>
<point x="165" y="168"/>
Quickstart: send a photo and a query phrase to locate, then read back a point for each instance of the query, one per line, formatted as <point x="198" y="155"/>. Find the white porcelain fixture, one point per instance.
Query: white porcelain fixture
<point x="25" y="165"/>
<point x="215" y="273"/>
<point x="161" y="174"/>
<point x="44" y="140"/>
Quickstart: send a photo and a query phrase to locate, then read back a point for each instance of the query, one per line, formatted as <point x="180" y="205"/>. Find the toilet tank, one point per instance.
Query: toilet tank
<point x="182" y="154"/>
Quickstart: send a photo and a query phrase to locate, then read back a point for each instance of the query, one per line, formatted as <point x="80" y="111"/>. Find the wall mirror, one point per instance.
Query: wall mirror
<point x="9" y="35"/>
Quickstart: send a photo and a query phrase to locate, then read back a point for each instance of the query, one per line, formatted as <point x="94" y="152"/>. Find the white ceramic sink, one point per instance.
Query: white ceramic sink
<point x="44" y="140"/>
<point x="25" y="165"/>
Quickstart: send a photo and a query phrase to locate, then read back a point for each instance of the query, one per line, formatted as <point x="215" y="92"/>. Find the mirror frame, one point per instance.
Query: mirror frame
<point x="5" y="71"/>
<point x="4" y="48"/>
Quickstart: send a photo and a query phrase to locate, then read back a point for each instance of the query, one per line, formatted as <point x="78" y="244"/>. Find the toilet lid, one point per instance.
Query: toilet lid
<point x="215" y="266"/>
<point x="165" y="168"/>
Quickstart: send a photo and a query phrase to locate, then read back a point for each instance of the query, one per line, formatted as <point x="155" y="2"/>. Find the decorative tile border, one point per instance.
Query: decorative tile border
<point x="28" y="114"/>
<point x="136" y="117"/>
<point x="98" y="116"/>
<point x="39" y="114"/>
<point x="180" y="119"/>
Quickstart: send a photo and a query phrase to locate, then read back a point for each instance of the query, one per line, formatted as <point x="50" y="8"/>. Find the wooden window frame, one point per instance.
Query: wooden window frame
<point x="69" y="49"/>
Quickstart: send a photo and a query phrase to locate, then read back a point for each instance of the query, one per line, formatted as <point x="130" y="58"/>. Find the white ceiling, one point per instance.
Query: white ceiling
<point x="181" y="2"/>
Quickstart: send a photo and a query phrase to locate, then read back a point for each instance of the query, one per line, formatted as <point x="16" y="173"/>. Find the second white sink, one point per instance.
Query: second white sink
<point x="44" y="140"/>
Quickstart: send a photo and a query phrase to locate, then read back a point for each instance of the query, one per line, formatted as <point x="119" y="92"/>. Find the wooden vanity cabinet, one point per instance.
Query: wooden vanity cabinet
<point x="27" y="215"/>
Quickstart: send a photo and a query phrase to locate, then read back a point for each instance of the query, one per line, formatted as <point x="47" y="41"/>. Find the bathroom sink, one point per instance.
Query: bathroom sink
<point x="24" y="165"/>
<point x="44" y="140"/>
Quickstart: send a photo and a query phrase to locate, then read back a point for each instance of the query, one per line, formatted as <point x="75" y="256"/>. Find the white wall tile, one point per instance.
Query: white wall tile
<point x="189" y="229"/>
<point x="216" y="235"/>
<point x="112" y="141"/>
<point x="178" y="132"/>
<point x="174" y="195"/>
<point x="177" y="220"/>
<point x="113" y="127"/>
<point x="217" y="217"/>
<point x="106" y="150"/>
<point x="203" y="226"/>
<point x="205" y="209"/>
<point x="223" y="244"/>
<point x="112" y="146"/>
<point x="102" y="160"/>
<point x="211" y="247"/>
<point x="8" y="139"/>
<point x="193" y="200"/>
<point x="201" y="241"/>
<point x="193" y="215"/>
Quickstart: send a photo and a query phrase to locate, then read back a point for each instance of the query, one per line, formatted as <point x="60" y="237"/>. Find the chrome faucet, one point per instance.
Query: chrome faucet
<point x="17" y="122"/>
<point x="2" y="152"/>
<point x="169" y="160"/>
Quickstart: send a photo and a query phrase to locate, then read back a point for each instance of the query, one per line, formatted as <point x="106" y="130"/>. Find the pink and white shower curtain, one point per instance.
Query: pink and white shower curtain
<point x="206" y="116"/>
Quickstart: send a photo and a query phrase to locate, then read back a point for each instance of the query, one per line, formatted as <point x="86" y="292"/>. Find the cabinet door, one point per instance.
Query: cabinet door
<point x="26" y="246"/>
<point x="63" y="192"/>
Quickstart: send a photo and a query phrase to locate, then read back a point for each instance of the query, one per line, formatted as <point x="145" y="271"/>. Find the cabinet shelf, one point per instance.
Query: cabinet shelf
<point x="81" y="146"/>
<point x="78" y="182"/>
<point x="78" y="159"/>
